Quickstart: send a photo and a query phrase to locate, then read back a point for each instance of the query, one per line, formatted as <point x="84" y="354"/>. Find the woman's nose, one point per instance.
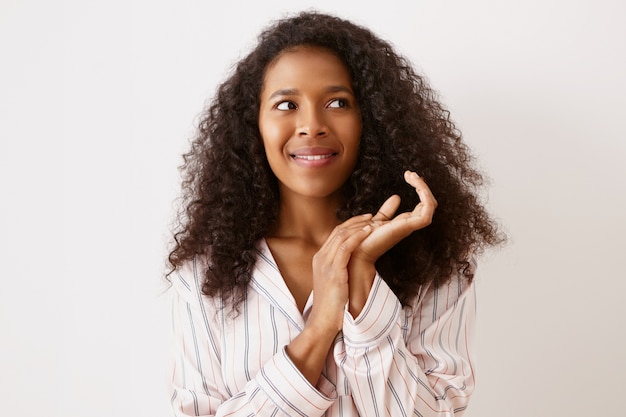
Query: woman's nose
<point x="311" y="123"/>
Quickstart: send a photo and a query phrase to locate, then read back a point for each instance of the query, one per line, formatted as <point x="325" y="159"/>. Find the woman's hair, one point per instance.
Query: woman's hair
<point x="230" y="195"/>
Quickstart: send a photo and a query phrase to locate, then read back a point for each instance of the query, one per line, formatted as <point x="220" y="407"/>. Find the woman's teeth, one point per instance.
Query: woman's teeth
<point x="313" y="157"/>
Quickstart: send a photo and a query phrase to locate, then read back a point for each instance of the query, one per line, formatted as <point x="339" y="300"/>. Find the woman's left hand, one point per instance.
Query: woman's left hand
<point x="388" y="231"/>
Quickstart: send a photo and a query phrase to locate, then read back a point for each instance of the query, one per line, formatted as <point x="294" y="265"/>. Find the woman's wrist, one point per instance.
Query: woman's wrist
<point x="361" y="277"/>
<point x="308" y="351"/>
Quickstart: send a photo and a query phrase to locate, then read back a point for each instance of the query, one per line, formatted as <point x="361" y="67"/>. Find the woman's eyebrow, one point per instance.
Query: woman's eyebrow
<point x="285" y="92"/>
<point x="296" y="92"/>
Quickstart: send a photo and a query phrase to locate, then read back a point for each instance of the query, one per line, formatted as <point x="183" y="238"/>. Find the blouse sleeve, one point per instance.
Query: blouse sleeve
<point x="196" y="384"/>
<point x="414" y="360"/>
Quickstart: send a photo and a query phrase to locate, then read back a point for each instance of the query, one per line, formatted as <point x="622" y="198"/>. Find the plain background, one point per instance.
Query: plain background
<point x="98" y="101"/>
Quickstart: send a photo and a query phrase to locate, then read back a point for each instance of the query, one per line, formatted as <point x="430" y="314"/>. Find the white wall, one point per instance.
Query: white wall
<point x="97" y="100"/>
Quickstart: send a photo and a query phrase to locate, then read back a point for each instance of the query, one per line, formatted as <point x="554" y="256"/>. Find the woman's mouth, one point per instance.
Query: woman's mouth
<point x="313" y="157"/>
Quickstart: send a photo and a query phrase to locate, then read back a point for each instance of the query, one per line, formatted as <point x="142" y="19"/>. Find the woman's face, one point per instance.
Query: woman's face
<point x="310" y="122"/>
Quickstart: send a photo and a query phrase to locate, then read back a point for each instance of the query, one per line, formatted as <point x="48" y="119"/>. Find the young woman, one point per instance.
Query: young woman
<point x="315" y="272"/>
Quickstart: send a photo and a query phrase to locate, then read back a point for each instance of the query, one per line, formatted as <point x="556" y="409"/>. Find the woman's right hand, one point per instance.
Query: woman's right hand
<point x="330" y="273"/>
<point x="309" y="349"/>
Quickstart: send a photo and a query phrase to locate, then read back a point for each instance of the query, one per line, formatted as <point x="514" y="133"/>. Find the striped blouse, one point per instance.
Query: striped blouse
<point x="389" y="361"/>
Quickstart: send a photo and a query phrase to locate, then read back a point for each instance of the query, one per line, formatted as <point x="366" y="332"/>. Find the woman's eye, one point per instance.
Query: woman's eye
<point x="338" y="103"/>
<point x="286" y="105"/>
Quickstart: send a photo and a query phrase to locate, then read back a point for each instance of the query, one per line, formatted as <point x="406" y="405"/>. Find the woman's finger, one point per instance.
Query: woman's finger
<point x="355" y="222"/>
<point x="339" y="234"/>
<point x="423" y="191"/>
<point x="387" y="233"/>
<point x="343" y="240"/>
<point x="388" y="209"/>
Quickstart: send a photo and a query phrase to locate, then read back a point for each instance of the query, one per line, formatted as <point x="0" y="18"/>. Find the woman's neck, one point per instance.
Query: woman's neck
<point x="309" y="219"/>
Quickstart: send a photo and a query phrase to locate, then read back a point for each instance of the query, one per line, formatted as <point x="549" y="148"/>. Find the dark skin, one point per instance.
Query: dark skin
<point x="310" y="125"/>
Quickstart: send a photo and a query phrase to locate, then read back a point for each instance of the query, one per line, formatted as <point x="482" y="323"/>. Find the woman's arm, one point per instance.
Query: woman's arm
<point x="197" y="385"/>
<point x="411" y="361"/>
<point x="388" y="230"/>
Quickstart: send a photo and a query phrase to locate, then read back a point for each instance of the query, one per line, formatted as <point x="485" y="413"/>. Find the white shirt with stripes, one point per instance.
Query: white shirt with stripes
<point x="389" y="361"/>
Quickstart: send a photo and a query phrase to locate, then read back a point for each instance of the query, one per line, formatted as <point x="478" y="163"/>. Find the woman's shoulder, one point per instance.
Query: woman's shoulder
<point x="443" y="296"/>
<point x="188" y="277"/>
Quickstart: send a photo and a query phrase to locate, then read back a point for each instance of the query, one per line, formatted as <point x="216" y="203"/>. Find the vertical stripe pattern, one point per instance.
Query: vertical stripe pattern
<point x="389" y="361"/>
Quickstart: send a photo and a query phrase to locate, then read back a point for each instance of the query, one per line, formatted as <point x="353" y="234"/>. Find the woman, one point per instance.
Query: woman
<point x="299" y="289"/>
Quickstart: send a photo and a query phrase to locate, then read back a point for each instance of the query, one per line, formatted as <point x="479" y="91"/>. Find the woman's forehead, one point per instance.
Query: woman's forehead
<point x="306" y="66"/>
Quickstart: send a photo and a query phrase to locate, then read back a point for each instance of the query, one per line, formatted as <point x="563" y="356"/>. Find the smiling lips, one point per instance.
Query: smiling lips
<point x="313" y="157"/>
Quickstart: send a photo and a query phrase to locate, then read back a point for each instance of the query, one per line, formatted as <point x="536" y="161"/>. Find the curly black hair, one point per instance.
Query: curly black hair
<point x="230" y="195"/>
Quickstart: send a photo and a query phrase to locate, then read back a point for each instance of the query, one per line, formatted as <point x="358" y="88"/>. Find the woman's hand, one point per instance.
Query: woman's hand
<point x="309" y="349"/>
<point x="388" y="231"/>
<point x="330" y="272"/>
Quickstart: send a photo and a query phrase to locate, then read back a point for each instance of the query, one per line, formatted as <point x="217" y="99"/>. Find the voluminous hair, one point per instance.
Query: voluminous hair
<point x="230" y="195"/>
